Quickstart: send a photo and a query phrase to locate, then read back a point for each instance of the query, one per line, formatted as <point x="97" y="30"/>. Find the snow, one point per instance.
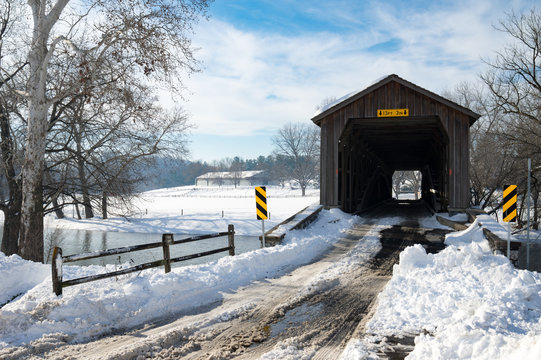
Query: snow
<point x="334" y="103"/>
<point x="101" y="307"/>
<point x="284" y="228"/>
<point x="462" y="303"/>
<point x="289" y="349"/>
<point x="19" y="276"/>
<point x="193" y="210"/>
<point x="356" y="350"/>
<point x="496" y="228"/>
<point x="347" y="96"/>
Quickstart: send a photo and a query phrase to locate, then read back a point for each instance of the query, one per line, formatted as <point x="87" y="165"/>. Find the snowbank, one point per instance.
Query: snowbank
<point x="101" y="307"/>
<point x="18" y="276"/>
<point x="465" y="303"/>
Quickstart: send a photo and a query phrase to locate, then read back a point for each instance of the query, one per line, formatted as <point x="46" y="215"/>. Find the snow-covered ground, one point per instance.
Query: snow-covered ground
<point x="461" y="303"/>
<point x="37" y="316"/>
<point x="197" y="210"/>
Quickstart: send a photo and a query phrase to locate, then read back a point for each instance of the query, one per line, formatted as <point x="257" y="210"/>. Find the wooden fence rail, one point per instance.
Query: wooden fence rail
<point x="167" y="241"/>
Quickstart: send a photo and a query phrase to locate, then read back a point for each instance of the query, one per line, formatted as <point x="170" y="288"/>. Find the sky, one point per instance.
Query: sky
<point x="267" y="63"/>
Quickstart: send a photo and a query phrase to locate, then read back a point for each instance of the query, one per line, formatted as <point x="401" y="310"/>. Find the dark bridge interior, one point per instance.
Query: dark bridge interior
<point x="371" y="149"/>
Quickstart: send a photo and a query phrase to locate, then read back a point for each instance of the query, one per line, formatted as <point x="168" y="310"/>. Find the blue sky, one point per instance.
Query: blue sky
<point x="270" y="62"/>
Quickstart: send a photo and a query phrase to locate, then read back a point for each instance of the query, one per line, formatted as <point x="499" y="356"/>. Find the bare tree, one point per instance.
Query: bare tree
<point x="398" y="180"/>
<point x="492" y="158"/>
<point x="236" y="168"/>
<point x="300" y="142"/>
<point x="106" y="143"/>
<point x="155" y="43"/>
<point x="514" y="81"/>
<point x="514" y="86"/>
<point x="11" y="124"/>
<point x="281" y="169"/>
<point x="416" y="179"/>
<point x="134" y="151"/>
<point x="411" y="179"/>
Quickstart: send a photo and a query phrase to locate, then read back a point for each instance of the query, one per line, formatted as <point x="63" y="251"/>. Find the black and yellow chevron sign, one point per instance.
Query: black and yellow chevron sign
<point x="510" y="203"/>
<point x="261" y="202"/>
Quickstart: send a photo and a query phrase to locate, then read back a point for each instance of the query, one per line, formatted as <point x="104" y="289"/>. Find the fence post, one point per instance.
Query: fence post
<point x="56" y="266"/>
<point x="167" y="239"/>
<point x="231" y="238"/>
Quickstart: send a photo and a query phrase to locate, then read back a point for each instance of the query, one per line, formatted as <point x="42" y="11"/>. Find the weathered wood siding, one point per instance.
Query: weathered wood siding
<point x="394" y="95"/>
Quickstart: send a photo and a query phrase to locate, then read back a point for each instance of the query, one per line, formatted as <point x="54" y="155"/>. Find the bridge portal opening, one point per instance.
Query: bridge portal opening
<point x="371" y="150"/>
<point x="407" y="184"/>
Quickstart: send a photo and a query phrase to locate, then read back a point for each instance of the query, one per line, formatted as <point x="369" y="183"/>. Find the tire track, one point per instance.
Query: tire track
<point x="317" y="323"/>
<point x="330" y="318"/>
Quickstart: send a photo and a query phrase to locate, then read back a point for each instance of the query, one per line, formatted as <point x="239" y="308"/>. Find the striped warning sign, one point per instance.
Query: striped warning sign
<point x="510" y="203"/>
<point x="261" y="202"/>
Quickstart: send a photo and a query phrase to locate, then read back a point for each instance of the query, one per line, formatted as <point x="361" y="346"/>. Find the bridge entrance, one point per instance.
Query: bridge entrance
<point x="407" y="184"/>
<point x="372" y="149"/>
<point x="361" y="148"/>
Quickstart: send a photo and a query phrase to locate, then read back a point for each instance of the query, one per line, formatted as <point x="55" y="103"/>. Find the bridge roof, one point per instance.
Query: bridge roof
<point x="349" y="98"/>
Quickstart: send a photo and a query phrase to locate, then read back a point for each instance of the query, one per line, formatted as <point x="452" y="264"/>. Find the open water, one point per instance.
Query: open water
<point x="84" y="241"/>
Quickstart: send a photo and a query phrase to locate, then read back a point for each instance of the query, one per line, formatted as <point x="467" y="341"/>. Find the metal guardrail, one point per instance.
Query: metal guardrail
<point x="167" y="241"/>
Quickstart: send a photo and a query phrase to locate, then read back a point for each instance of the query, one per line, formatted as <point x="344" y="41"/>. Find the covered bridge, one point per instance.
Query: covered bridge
<point x="394" y="125"/>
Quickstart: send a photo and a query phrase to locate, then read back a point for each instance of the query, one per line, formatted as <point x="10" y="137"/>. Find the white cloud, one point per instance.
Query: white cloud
<point x="254" y="82"/>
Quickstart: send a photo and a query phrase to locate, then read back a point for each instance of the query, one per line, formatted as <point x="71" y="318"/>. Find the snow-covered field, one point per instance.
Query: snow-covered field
<point x="461" y="303"/>
<point x="192" y="210"/>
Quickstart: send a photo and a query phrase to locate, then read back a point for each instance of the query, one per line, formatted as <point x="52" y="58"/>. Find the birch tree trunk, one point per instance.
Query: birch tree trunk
<point x="31" y="234"/>
<point x="155" y="41"/>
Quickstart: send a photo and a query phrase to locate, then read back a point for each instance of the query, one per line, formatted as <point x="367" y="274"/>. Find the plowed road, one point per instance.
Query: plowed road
<point x="311" y="312"/>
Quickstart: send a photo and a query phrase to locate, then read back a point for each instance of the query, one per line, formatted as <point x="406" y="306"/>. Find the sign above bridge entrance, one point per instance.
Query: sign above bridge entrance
<point x="392" y="112"/>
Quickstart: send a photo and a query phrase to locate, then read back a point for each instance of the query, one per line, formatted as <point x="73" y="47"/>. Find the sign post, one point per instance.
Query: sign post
<point x="261" y="209"/>
<point x="509" y="211"/>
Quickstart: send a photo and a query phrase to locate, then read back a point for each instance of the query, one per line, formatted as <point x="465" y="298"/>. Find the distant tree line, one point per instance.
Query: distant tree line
<point x="295" y="158"/>
<point x="171" y="172"/>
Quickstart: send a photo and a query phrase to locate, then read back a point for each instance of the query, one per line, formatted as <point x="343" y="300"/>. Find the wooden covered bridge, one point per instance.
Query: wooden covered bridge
<point x="394" y="125"/>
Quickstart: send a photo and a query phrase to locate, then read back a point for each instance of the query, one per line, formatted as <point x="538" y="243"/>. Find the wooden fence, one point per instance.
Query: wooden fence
<point x="167" y="241"/>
